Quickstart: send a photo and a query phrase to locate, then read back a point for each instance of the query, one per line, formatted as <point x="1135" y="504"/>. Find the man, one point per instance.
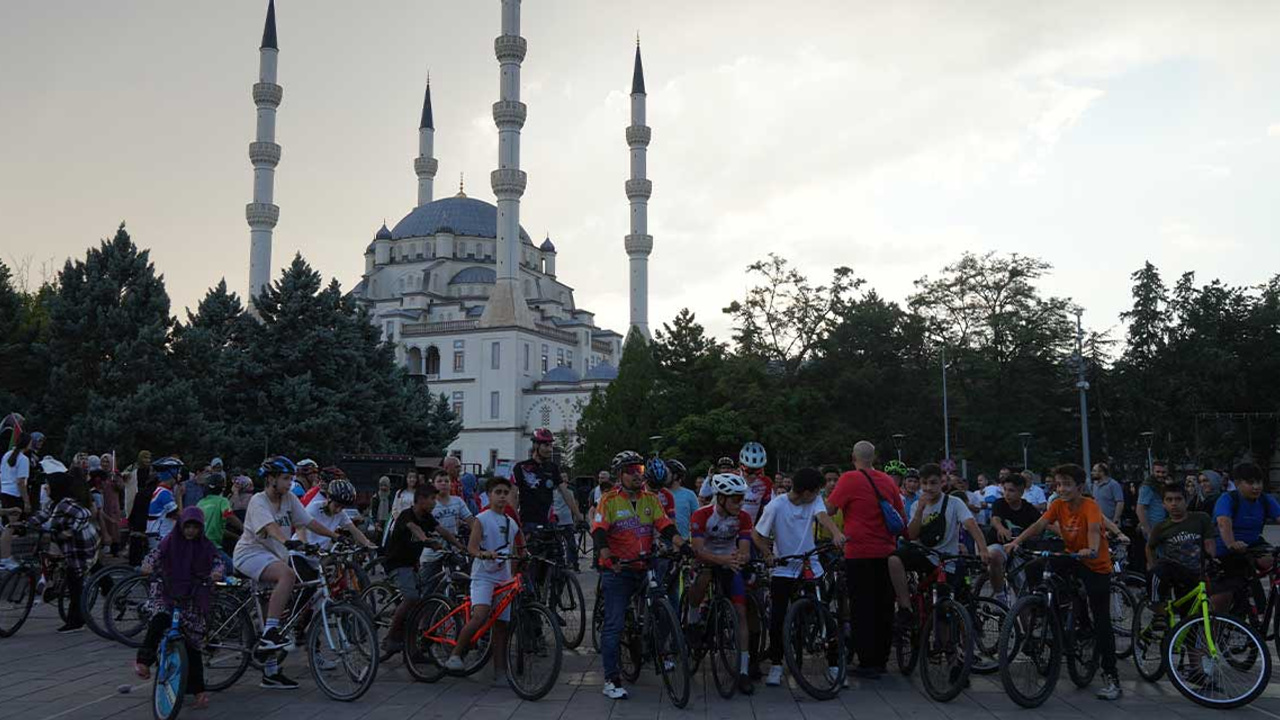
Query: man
<point x="1240" y="515"/>
<point x="137" y="491"/>
<point x="405" y="549"/>
<point x="538" y="480"/>
<point x="623" y="527"/>
<point x="721" y="540"/>
<point x="218" y="515"/>
<point x="686" y="499"/>
<point x="15" y="472"/>
<point x="1080" y="523"/>
<point x="991" y="492"/>
<point x="604" y="483"/>
<point x="308" y="475"/>
<point x="1034" y="493"/>
<point x="462" y="485"/>
<point x="1150" y="501"/>
<point x="724" y="465"/>
<point x="159" y="523"/>
<point x="752" y="458"/>
<point x="380" y="506"/>
<point x="867" y="549"/>
<point x="910" y="490"/>
<point x="1107" y="493"/>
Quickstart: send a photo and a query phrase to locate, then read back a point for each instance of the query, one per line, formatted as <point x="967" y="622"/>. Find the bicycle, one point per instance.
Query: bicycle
<point x="170" y="685"/>
<point x="383" y="598"/>
<point x="1039" y="631"/>
<point x="811" y="635"/>
<point x="652" y="631"/>
<point x="97" y="587"/>
<point x="18" y="586"/>
<point x="339" y="636"/>
<point x="557" y="588"/>
<point x="986" y="613"/>
<point x="942" y="634"/>
<point x="717" y="635"/>
<point x="533" y="635"/>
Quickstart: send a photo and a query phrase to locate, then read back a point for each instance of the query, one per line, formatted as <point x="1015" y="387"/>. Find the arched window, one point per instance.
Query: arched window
<point x="414" y="361"/>
<point x="433" y="361"/>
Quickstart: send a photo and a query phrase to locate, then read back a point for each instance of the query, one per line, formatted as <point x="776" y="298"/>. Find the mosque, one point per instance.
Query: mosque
<point x="473" y="306"/>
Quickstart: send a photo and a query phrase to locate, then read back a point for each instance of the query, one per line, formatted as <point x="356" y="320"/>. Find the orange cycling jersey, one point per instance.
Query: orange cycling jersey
<point x="629" y="523"/>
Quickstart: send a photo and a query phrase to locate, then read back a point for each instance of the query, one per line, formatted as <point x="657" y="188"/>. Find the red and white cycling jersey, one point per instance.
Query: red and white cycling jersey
<point x="720" y="533"/>
<point x="759" y="493"/>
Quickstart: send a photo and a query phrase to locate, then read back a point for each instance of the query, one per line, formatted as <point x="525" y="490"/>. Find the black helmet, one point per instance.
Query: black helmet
<point x="626" y="457"/>
<point x="215" y="483"/>
<point x="677" y="468"/>
<point x="342" y="492"/>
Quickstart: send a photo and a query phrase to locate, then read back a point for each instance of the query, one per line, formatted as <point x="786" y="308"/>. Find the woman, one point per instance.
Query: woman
<point x="403" y="501"/>
<point x="72" y="527"/>
<point x="110" y="485"/>
<point x="1208" y="487"/>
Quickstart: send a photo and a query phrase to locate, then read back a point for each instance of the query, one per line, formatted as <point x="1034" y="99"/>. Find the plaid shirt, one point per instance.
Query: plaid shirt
<point x="73" y="529"/>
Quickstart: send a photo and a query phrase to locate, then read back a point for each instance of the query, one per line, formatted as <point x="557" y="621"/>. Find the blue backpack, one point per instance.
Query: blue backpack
<point x="893" y="521"/>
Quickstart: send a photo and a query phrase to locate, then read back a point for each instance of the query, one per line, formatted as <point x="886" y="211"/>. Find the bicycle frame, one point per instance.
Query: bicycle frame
<point x="504" y="595"/>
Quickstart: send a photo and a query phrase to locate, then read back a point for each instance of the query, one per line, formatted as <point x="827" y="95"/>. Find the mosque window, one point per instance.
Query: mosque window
<point x="495" y="402"/>
<point x="559" y="357"/>
<point x="459" y="356"/>
<point x="526" y="357"/>
<point x="569" y="358"/>
<point x="495" y="355"/>
<point x="458" y="399"/>
<point x="545" y="355"/>
<point x="546" y="416"/>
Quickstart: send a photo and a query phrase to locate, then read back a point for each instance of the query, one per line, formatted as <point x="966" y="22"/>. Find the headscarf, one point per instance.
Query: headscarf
<point x="184" y="563"/>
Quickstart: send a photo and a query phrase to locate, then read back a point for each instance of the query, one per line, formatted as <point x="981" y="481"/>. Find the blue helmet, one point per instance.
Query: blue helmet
<point x="167" y="468"/>
<point x="655" y="472"/>
<point x="277" y="465"/>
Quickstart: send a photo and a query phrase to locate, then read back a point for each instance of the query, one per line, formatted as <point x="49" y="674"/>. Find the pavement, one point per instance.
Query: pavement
<point x="46" y="676"/>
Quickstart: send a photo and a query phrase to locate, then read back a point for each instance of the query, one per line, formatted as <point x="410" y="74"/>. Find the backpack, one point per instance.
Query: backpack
<point x="1235" y="506"/>
<point x="893" y="521"/>
<point x="935" y="530"/>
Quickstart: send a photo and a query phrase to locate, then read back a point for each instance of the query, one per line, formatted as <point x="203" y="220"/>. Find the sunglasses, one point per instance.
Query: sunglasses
<point x="633" y="469"/>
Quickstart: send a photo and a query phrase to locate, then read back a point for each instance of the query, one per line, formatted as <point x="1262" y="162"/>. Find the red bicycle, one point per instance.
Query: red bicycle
<point x="535" y="646"/>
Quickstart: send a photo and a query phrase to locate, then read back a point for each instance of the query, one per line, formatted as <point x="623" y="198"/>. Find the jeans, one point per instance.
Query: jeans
<point x="871" y="599"/>
<point x="570" y="545"/>
<point x="618" y="588"/>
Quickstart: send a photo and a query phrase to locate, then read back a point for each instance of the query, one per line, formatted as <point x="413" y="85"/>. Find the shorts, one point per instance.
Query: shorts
<point x="251" y="562"/>
<point x="482" y="588"/>
<point x="1171" y="580"/>
<point x="9" y="502"/>
<point x="915" y="559"/>
<point x="407" y="581"/>
<point x="732" y="584"/>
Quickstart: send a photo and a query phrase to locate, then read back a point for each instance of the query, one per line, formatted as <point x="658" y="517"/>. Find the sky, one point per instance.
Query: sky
<point x="888" y="137"/>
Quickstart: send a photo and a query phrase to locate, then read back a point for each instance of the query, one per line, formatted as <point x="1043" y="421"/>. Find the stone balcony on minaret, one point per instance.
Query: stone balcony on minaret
<point x="638" y="244"/>
<point x="269" y="94"/>
<point x="639" y="135"/>
<point x="425" y="166"/>
<point x="510" y="48"/>
<point x="639" y="188"/>
<point x="508" y="182"/>
<point x="262" y="214"/>
<point x="510" y="114"/>
<point x="264" y="153"/>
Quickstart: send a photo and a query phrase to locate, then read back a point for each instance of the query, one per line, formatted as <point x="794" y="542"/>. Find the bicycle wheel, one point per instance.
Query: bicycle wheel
<point x="1218" y="661"/>
<point x="17" y="594"/>
<point x="946" y="650"/>
<point x="724" y="647"/>
<point x="988" y="617"/>
<point x="431" y="637"/>
<point x="1082" y="647"/>
<point x="757" y="627"/>
<point x="631" y="647"/>
<point x="671" y="654"/>
<point x="1148" y="642"/>
<point x="811" y="643"/>
<point x="381" y="600"/>
<point x="342" y="647"/>
<point x="170" y="685"/>
<point x="126" y="615"/>
<point x="93" y="600"/>
<point x="228" y="643"/>
<point x="1123" y="607"/>
<point x="1030" y="651"/>
<point x="906" y="641"/>
<point x="535" y="650"/>
<point x="597" y="619"/>
<point x="570" y="606"/>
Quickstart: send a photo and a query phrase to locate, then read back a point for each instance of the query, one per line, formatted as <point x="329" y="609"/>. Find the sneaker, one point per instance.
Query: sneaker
<point x="278" y="682"/>
<point x="833" y="674"/>
<point x="1110" y="688"/>
<point x="775" y="676"/>
<point x="454" y="664"/>
<point x="325" y="664"/>
<point x="69" y="628"/>
<point x="8" y="564"/>
<point x="745" y="685"/>
<point x="614" y="692"/>
<point x="273" y="639"/>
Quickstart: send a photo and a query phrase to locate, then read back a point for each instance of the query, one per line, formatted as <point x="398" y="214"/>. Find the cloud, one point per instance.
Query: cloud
<point x="1274" y="130"/>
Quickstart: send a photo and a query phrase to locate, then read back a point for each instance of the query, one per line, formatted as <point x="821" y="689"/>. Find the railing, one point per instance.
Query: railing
<point x="438" y="328"/>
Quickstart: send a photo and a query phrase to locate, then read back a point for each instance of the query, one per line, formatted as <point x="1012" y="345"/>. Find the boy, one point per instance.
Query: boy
<point x="786" y="528"/>
<point x="1010" y="515"/>
<point x="493" y="532"/>
<point x="1176" y="549"/>
<point x="1080" y="524"/>
<point x="405" y="547"/>
<point x="1240" y="515"/>
<point x="453" y="516"/>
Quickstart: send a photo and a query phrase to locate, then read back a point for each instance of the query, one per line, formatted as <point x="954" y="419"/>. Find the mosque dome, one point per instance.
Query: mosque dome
<point x="460" y="215"/>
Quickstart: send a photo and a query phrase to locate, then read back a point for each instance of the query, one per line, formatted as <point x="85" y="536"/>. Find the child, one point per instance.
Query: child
<point x="493" y="532"/>
<point x="1177" y="548"/>
<point x="184" y="559"/>
<point x="73" y="528"/>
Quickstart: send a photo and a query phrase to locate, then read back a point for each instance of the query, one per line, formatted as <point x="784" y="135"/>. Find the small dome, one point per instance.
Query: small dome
<point x="603" y="371"/>
<point x="383" y="233"/>
<point x="475" y="276"/>
<point x="369" y="250"/>
<point x="561" y="373"/>
<point x="547" y="246"/>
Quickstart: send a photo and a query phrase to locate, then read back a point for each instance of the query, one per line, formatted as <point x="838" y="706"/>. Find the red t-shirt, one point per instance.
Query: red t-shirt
<point x="863" y="523"/>
<point x="667" y="500"/>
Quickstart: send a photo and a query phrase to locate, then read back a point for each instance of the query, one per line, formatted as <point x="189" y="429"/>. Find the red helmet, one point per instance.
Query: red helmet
<point x="543" y="435"/>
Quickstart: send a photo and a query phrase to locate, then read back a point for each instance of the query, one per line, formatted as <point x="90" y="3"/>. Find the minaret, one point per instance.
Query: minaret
<point x="425" y="164"/>
<point x="506" y="305"/>
<point x="264" y="153"/>
<point x="639" y="243"/>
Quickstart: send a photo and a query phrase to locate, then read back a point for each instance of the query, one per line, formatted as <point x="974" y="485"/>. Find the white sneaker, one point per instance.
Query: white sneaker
<point x="614" y="692"/>
<point x="834" y="674"/>
<point x="454" y="664"/>
<point x="775" y="676"/>
<point x="8" y="564"/>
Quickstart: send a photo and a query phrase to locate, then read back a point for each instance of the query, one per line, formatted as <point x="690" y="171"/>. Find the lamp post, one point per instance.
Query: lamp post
<point x="1025" y="439"/>
<point x="1083" y="386"/>
<point x="1150" y="437"/>
<point x="897" y="444"/>
<point x="946" y="431"/>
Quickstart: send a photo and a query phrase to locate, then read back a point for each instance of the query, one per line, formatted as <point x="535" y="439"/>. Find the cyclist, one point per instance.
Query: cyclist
<point x="72" y="528"/>
<point x="721" y="539"/>
<point x="1176" y="550"/>
<point x="405" y="551"/>
<point x="935" y="523"/>
<point x="332" y="514"/>
<point x="538" y="479"/>
<point x="624" y="525"/>
<point x="786" y="528"/>
<point x="162" y="510"/>
<point x="656" y="477"/>
<point x="896" y="470"/>
<point x="15" y="471"/>
<point x="1240" y="515"/>
<point x="1010" y="515"/>
<point x="707" y="493"/>
<point x="218" y="515"/>
<point x="261" y="555"/>
<point x="910" y="490"/>
<point x="753" y="458"/>
<point x="1080" y="523"/>
<point x="307" y="477"/>
<point x="686" y="499"/>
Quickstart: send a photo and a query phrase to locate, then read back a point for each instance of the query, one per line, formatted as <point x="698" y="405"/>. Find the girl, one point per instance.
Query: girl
<point x="73" y="528"/>
<point x="184" y="559"/>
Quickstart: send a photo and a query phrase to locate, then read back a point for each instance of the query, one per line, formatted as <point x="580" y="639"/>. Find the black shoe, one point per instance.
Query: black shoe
<point x="278" y="682"/>
<point x="745" y="686"/>
<point x="70" y="628"/>
<point x="754" y="671"/>
<point x="273" y="639"/>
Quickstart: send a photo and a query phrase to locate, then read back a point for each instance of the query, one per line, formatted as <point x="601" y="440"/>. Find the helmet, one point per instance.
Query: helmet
<point x="752" y="455"/>
<point x="626" y="457"/>
<point x="215" y="483"/>
<point x="726" y="463"/>
<point x="895" y="467"/>
<point x="543" y="435"/>
<point x="728" y="484"/>
<point x="655" y="471"/>
<point x="912" y="473"/>
<point x="677" y="468"/>
<point x="167" y="468"/>
<point x="277" y="465"/>
<point x="308" y="465"/>
<point x="342" y="492"/>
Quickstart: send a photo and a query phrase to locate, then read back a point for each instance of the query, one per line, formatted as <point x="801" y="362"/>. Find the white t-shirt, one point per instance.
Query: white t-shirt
<point x="450" y="514"/>
<point x="1034" y="494"/>
<point x="791" y="527"/>
<point x="497" y="534"/>
<point x="331" y="522"/>
<point x="260" y="513"/>
<point x="957" y="514"/>
<point x="9" y="476"/>
<point x="564" y="516"/>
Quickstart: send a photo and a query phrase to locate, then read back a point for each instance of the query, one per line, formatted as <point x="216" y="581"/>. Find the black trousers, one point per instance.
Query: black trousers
<point x="871" y="598"/>
<point x="1098" y="588"/>
<point x="156" y="629"/>
<point x="75" y="587"/>
<point x="138" y="547"/>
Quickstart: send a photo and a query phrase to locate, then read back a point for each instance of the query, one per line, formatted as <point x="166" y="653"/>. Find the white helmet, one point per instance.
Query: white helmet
<point x="752" y="455"/>
<point x="728" y="484"/>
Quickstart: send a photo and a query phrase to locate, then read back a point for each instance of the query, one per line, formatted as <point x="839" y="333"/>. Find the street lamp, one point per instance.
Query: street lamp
<point x="897" y="444"/>
<point x="946" y="432"/>
<point x="1025" y="439"/>
<point x="1149" y="437"/>
<point x="1083" y="386"/>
